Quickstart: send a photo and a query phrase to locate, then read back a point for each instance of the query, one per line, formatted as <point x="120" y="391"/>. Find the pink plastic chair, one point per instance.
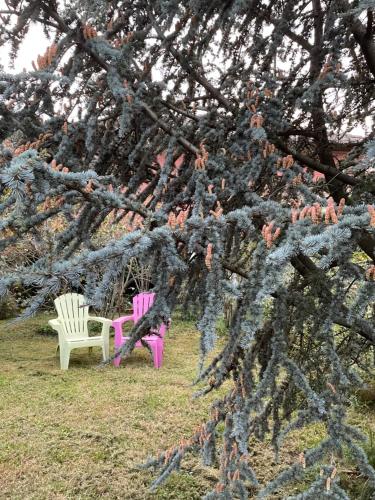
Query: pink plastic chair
<point x="141" y="304"/>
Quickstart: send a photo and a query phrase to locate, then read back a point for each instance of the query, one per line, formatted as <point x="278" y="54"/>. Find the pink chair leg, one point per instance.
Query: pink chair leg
<point x="117" y="361"/>
<point x="161" y="352"/>
<point x="157" y="351"/>
<point x="118" y="344"/>
<point x="154" y="349"/>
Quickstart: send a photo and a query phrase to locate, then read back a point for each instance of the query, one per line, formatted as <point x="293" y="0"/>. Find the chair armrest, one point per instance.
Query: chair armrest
<point x="164" y="327"/>
<point x="123" y="319"/>
<point x="55" y="323"/>
<point x="117" y="325"/>
<point x="104" y="321"/>
<point x="58" y="327"/>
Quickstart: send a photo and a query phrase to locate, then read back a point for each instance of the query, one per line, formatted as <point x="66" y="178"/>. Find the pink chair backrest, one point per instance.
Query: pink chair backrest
<point x="141" y="304"/>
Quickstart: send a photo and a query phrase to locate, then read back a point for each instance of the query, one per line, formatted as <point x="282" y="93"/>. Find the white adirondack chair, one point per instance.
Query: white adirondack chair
<point x="71" y="326"/>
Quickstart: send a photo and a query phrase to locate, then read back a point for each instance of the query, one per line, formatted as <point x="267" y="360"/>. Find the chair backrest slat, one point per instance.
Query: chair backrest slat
<point x="141" y="304"/>
<point x="72" y="315"/>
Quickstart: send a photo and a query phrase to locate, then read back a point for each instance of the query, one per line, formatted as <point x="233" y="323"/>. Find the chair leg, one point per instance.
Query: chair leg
<point x="118" y="344"/>
<point x="106" y="349"/>
<point x="117" y="361"/>
<point x="64" y="357"/>
<point x="161" y="352"/>
<point x="156" y="353"/>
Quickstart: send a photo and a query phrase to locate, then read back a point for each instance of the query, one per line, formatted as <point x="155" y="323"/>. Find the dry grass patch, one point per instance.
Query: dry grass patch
<point x="80" y="433"/>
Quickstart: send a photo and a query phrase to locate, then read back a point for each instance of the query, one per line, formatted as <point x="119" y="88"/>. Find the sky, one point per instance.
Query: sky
<point x="35" y="43"/>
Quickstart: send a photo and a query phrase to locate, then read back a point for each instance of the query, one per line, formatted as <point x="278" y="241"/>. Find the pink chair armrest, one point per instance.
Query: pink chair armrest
<point x="162" y="330"/>
<point x="117" y="325"/>
<point x="123" y="319"/>
<point x="164" y="327"/>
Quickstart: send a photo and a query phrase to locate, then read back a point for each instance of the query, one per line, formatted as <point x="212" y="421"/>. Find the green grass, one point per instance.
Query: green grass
<point x="79" y="434"/>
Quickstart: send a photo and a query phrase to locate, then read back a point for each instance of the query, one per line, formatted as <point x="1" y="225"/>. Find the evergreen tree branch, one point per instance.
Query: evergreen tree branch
<point x="333" y="173"/>
<point x="362" y="34"/>
<point x="199" y="77"/>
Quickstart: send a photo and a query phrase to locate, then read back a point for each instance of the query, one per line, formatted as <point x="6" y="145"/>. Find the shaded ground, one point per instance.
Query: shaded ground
<point x="79" y="434"/>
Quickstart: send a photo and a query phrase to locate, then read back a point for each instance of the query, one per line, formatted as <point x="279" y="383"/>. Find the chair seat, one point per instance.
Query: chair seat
<point x="86" y="339"/>
<point x="148" y="338"/>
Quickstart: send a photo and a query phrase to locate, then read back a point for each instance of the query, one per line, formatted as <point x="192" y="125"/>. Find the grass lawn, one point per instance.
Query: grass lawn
<point x="80" y="433"/>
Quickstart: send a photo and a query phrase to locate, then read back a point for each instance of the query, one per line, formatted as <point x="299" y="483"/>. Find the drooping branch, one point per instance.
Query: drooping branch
<point x="363" y="34"/>
<point x="315" y="165"/>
